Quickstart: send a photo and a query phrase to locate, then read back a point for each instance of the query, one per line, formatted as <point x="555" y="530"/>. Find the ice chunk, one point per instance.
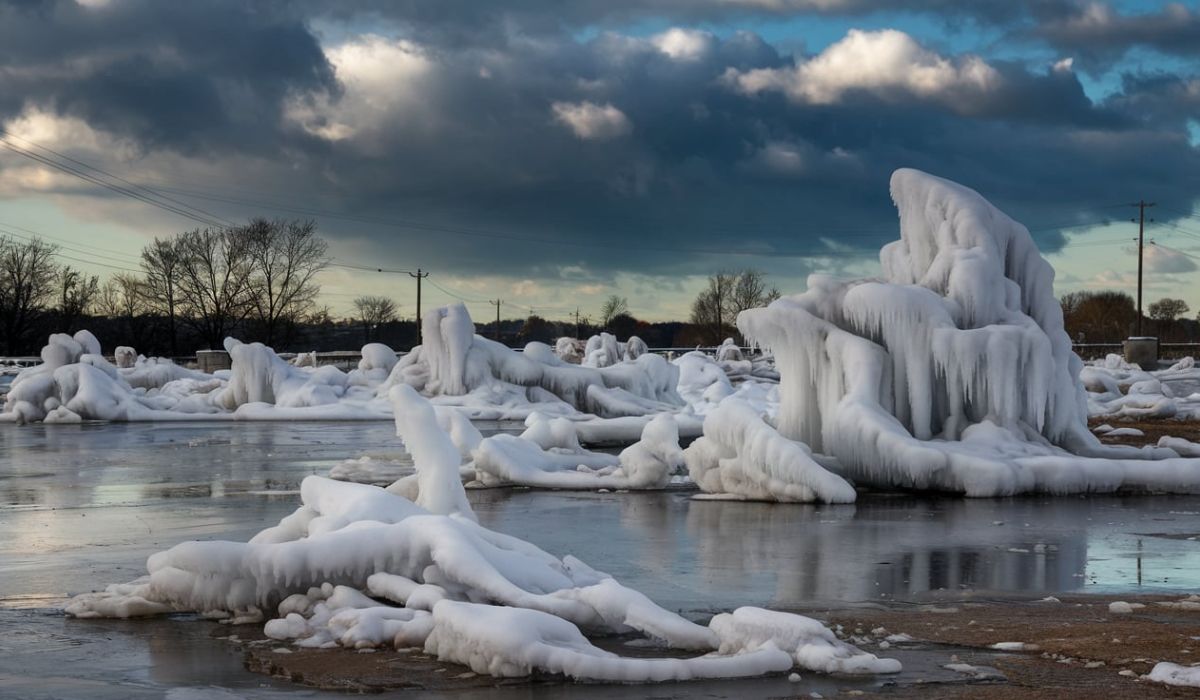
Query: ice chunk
<point x="741" y="455"/>
<point x="1174" y="674"/>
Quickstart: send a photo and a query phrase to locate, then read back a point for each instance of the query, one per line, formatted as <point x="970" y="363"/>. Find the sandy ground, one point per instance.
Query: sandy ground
<point x="1074" y="648"/>
<point x="1153" y="429"/>
<point x="1079" y="648"/>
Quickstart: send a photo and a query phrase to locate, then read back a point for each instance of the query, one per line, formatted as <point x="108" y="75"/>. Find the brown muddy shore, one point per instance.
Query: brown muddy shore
<point x="1073" y="647"/>
<point x="1153" y="429"/>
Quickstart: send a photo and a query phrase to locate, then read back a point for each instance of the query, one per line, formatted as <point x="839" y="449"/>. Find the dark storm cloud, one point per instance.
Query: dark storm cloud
<point x="186" y="76"/>
<point x="1098" y="34"/>
<point x="469" y="150"/>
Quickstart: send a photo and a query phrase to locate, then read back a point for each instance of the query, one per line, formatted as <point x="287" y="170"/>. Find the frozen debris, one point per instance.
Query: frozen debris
<point x="1174" y="674"/>
<point x="1125" y="432"/>
<point x="952" y="371"/>
<point x="1185" y="448"/>
<point x="460" y="370"/>
<point x="548" y="455"/>
<point x="976" y="672"/>
<point x="124" y="357"/>
<point x="568" y="350"/>
<point x="483" y="374"/>
<point x="434" y="565"/>
<point x="1188" y="604"/>
<point x="730" y="352"/>
<point x="1014" y="646"/>
<point x="1120" y="607"/>
<point x="1120" y="390"/>
<point x="742" y="455"/>
<point x="1102" y="429"/>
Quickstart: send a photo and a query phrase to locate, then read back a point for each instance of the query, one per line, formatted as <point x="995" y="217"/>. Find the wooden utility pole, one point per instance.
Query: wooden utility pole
<point x="1142" y="205"/>
<point x="719" y="324"/>
<point x="496" y="303"/>
<point x="576" y="322"/>
<point x="419" y="275"/>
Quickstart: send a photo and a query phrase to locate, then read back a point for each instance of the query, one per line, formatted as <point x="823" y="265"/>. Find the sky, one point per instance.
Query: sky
<point x="549" y="153"/>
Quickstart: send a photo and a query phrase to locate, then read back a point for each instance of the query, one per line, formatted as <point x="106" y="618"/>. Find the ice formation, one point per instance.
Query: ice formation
<point x="459" y="590"/>
<point x="487" y="377"/>
<point x="1117" y="390"/>
<point x="952" y="371"/>
<point x="741" y="455"/>
<point x="548" y="455"/>
<point x="478" y="377"/>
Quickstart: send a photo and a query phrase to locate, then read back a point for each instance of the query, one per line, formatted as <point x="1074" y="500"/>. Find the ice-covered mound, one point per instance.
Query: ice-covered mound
<point x="75" y="382"/>
<point x="548" y="455"/>
<point x="741" y="455"/>
<point x="953" y="371"/>
<point x="1117" y="389"/>
<point x="461" y="591"/>
<point x="455" y="363"/>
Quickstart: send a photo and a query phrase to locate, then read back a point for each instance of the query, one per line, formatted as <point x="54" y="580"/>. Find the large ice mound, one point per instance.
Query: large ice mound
<point x="459" y="590"/>
<point x="952" y="371"/>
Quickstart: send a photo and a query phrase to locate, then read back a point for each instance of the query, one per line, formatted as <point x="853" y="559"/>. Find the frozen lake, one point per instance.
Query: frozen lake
<point x="84" y="505"/>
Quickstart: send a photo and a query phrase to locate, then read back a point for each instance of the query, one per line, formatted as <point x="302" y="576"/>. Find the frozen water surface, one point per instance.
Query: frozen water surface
<point x="84" y="505"/>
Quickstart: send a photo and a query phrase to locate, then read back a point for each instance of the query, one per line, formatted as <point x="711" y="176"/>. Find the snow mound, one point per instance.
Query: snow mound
<point x="741" y="455"/>
<point x="1174" y="674"/>
<point x="1117" y="389"/>
<point x="548" y="455"/>
<point x="462" y="368"/>
<point x="953" y="371"/>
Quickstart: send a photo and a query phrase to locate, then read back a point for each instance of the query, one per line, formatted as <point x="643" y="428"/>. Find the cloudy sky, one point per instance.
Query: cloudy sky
<point x="551" y="152"/>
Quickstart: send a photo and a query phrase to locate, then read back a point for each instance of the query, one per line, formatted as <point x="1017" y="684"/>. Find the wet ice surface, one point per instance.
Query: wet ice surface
<point x="83" y="506"/>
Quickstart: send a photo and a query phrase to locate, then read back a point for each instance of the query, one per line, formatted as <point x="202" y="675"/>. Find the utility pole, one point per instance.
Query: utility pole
<point x="719" y="329"/>
<point x="496" y="303"/>
<point x="419" y="276"/>
<point x="1142" y="205"/>
<point x="577" y="323"/>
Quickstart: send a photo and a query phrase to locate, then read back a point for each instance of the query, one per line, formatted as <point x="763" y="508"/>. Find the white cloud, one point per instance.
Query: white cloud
<point x="1065" y="65"/>
<point x="591" y="121"/>
<point x="382" y="82"/>
<point x="526" y="288"/>
<point x="882" y="62"/>
<point x="684" y="44"/>
<point x="1166" y="261"/>
<point x="63" y="134"/>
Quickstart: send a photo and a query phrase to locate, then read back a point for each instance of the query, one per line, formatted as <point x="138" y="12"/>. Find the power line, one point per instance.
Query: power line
<point x="118" y="178"/>
<point x="61" y="167"/>
<point x="67" y="247"/>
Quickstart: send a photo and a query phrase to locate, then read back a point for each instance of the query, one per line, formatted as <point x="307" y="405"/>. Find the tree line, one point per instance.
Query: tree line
<point x="200" y="286"/>
<point x="1111" y="316"/>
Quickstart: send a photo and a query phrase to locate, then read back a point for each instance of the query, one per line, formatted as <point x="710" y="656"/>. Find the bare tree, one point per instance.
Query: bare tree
<point x="161" y="263"/>
<point x="27" y="282"/>
<point x="76" y="294"/>
<point x="286" y="257"/>
<point x="1103" y="316"/>
<point x="1168" y="309"/>
<point x="373" y="312"/>
<point x="612" y="307"/>
<point x="215" y="272"/>
<point x="726" y="295"/>
<point x="123" y="299"/>
<point x="108" y="301"/>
